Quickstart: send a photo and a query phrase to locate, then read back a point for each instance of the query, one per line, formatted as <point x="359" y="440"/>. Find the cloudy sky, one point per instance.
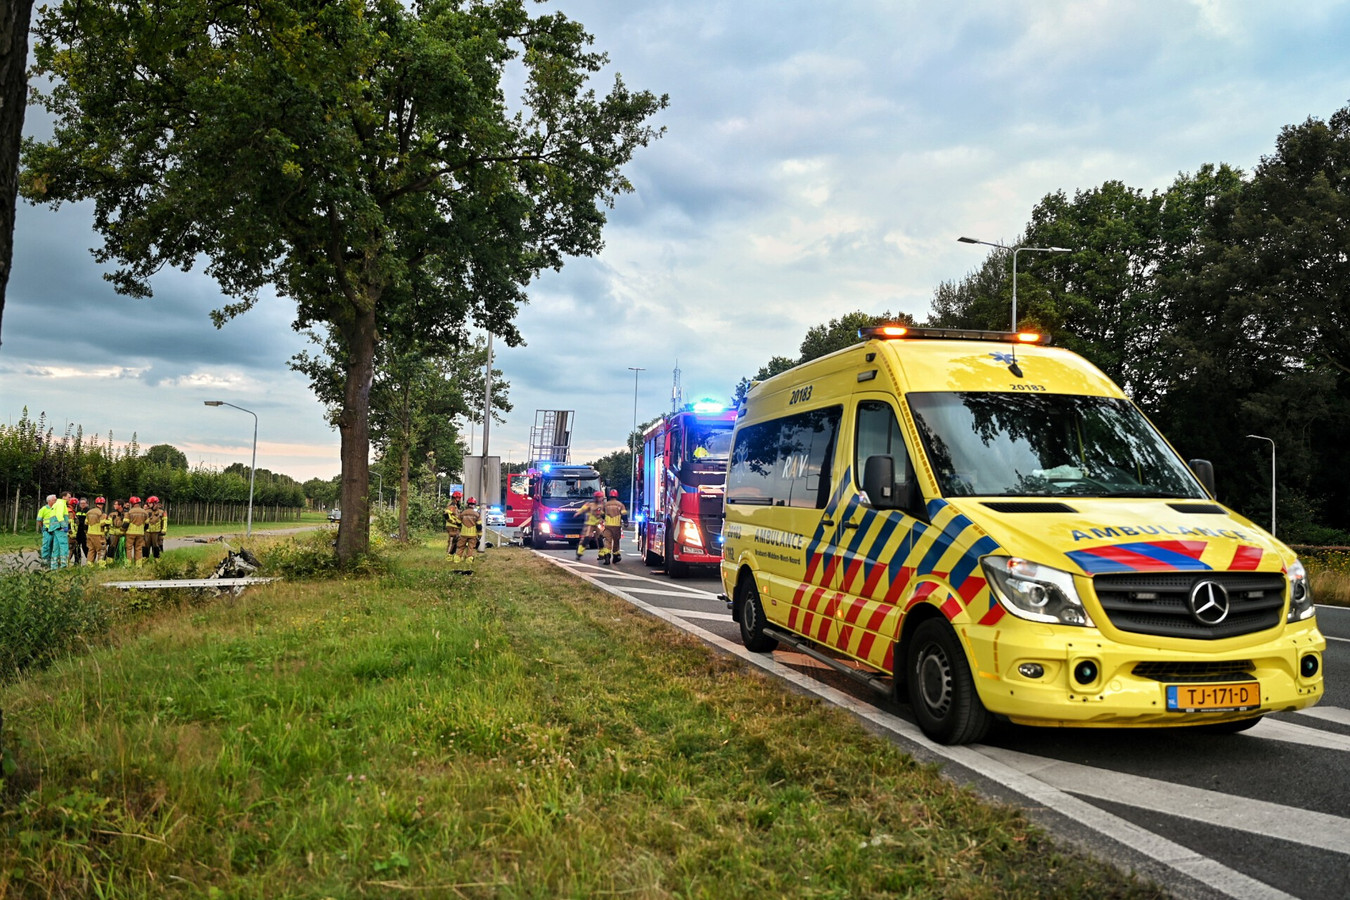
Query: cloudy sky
<point x="819" y="158"/>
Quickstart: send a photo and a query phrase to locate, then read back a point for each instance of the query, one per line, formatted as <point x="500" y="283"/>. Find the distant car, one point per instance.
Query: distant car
<point x="335" y="515"/>
<point x="495" y="515"/>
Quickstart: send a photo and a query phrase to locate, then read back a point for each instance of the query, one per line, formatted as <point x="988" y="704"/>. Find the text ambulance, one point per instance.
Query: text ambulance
<point x="994" y="524"/>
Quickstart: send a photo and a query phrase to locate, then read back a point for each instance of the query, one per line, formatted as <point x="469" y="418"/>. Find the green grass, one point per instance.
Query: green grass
<point x="514" y="733"/>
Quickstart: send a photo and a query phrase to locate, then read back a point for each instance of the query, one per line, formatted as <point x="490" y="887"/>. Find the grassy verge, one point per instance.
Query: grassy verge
<point x="514" y="733"/>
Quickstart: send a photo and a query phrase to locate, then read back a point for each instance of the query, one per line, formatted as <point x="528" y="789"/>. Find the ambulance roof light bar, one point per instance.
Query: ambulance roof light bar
<point x="890" y="332"/>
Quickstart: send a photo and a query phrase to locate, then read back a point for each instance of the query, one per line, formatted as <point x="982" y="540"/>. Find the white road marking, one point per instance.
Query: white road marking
<point x="1219" y="877"/>
<point x="1300" y="827"/>
<point x="701" y="614"/>
<point x="1276" y="730"/>
<point x="1328" y="713"/>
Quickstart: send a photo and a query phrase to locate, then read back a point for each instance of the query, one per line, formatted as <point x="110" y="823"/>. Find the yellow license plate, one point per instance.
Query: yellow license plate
<point x="1213" y="697"/>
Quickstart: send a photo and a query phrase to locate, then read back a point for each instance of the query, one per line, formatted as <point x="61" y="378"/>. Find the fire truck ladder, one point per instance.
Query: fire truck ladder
<point x="551" y="436"/>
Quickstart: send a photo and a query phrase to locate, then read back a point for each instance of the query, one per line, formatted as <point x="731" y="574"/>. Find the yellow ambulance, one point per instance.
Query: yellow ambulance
<point x="990" y="522"/>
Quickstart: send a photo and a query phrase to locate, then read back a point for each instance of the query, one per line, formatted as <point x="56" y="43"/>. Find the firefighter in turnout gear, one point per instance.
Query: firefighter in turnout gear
<point x="451" y="517"/>
<point x="615" y="515"/>
<point x="594" y="519"/>
<point x="156" y="527"/>
<point x="135" y="520"/>
<point x="98" y="527"/>
<point x="468" y="531"/>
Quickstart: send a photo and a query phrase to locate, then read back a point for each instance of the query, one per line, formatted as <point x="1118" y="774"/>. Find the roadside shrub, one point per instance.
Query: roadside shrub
<point x="312" y="556"/>
<point x="42" y="616"/>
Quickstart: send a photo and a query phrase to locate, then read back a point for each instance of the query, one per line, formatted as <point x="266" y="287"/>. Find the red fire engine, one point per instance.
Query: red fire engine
<point x="680" y="486"/>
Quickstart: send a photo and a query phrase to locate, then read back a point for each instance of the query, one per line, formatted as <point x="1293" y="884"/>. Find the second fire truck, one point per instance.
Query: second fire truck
<point x="680" y="484"/>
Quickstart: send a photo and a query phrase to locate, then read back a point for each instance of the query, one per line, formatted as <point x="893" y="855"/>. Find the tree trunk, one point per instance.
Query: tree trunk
<point x="354" y="427"/>
<point x="13" y="101"/>
<point x="404" y="465"/>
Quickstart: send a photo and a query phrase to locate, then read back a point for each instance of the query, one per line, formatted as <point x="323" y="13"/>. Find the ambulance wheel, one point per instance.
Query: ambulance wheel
<point x="753" y="620"/>
<point x="941" y="690"/>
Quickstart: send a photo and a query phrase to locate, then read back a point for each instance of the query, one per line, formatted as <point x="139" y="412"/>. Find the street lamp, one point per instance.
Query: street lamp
<point x="253" y="466"/>
<point x="1272" y="478"/>
<point x="632" y="484"/>
<point x="1015" y="251"/>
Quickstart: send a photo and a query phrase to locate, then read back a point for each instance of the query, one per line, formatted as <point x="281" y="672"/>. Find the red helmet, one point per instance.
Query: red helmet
<point x="134" y="500"/>
<point x="100" y="500"/>
<point x="473" y="502"/>
<point x="457" y="494"/>
<point x="613" y="492"/>
<point x="153" y="500"/>
<point x="599" y="493"/>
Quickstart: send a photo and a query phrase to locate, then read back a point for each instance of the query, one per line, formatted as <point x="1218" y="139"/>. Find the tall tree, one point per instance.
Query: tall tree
<point x="14" y="19"/>
<point x="359" y="156"/>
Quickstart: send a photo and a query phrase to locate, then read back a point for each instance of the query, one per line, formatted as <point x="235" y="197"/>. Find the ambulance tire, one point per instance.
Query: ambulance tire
<point x="753" y="620"/>
<point x="941" y="690"/>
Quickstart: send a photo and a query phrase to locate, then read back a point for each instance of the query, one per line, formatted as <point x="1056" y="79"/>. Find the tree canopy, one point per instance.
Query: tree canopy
<point x="358" y="156"/>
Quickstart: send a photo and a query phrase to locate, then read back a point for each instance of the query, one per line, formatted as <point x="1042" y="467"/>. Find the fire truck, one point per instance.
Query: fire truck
<point x="519" y="504"/>
<point x="557" y="492"/>
<point x="680" y="485"/>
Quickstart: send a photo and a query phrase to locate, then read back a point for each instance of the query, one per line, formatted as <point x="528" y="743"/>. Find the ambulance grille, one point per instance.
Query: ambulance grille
<point x="1158" y="603"/>
<point x="1197" y="672"/>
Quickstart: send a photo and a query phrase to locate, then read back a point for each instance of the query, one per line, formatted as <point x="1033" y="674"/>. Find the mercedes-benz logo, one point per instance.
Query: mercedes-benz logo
<point x="1209" y="602"/>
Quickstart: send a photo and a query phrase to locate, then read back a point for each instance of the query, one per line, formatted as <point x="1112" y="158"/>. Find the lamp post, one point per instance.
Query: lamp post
<point x="1015" y="251"/>
<point x="380" y="475"/>
<point x="1272" y="478"/>
<point x="253" y="466"/>
<point x="632" y="484"/>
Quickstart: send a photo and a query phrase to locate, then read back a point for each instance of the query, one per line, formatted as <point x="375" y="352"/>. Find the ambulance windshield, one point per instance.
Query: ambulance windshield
<point x="1060" y="445"/>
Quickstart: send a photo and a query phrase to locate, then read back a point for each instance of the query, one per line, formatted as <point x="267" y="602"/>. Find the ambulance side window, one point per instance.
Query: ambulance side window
<point x="785" y="462"/>
<point x="878" y="434"/>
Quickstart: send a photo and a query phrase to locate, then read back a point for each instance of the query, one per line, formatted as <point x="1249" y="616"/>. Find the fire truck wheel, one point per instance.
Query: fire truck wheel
<point x="674" y="568"/>
<point x="753" y="620"/>
<point x="649" y="559"/>
<point x="941" y="690"/>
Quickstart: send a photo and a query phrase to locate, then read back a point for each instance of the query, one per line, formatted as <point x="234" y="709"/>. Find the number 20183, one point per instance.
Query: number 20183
<point x="800" y="395"/>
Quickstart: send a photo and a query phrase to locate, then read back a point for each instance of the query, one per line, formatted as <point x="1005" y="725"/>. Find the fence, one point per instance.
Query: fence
<point x="23" y="513"/>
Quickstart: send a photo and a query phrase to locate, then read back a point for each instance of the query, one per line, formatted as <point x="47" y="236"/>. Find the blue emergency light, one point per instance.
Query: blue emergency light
<point x="709" y="406"/>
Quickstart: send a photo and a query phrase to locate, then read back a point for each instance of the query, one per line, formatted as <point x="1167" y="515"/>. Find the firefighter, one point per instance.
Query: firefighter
<point x="615" y="517"/>
<point x="468" y="531"/>
<point x="156" y="527"/>
<point x="452" y="523"/>
<point x="80" y="514"/>
<point x="135" y="520"/>
<point x="97" y="524"/>
<point x="591" y="530"/>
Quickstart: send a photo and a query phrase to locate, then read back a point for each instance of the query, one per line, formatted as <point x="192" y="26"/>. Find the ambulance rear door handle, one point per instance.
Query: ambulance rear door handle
<point x="827" y="521"/>
<point x="850" y="525"/>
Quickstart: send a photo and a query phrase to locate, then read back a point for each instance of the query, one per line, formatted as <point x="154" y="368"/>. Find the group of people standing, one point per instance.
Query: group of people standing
<point x="461" y="528"/>
<point x="73" y="529"/>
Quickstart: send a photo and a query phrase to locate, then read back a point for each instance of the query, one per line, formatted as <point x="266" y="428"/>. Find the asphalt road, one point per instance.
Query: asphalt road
<point x="1262" y="814"/>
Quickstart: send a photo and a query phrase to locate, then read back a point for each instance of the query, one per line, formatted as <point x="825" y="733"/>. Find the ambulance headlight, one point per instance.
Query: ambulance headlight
<point x="1300" y="594"/>
<point x="1034" y="592"/>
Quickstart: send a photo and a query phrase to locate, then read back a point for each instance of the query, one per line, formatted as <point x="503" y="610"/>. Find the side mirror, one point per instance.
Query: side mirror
<point x="881" y="487"/>
<point x="1204" y="470"/>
